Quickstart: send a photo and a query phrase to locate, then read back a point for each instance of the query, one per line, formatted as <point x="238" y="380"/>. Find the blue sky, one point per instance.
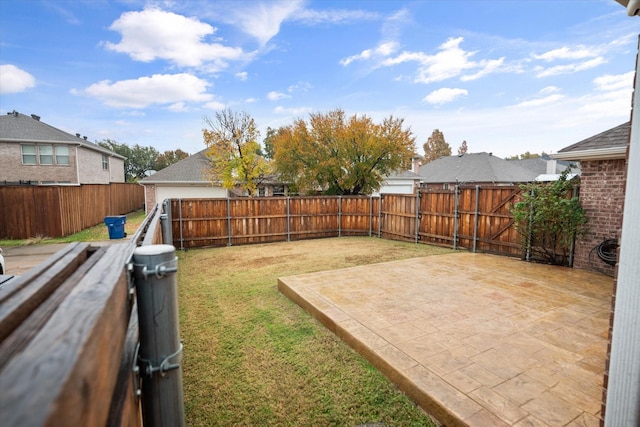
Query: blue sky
<point x="506" y="76"/>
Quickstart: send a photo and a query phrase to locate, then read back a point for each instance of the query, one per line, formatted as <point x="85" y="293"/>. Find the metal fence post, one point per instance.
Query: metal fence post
<point x="160" y="352"/>
<point x="165" y="221"/>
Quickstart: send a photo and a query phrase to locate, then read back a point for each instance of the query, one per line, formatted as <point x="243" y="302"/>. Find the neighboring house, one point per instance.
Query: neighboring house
<point x="33" y="152"/>
<point x="472" y="168"/>
<point x="187" y="179"/>
<point x="602" y="160"/>
<point x="405" y="182"/>
<point x="548" y="169"/>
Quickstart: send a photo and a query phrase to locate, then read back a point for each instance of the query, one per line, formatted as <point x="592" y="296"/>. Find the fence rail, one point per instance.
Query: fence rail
<point x="467" y="217"/>
<point x="57" y="211"/>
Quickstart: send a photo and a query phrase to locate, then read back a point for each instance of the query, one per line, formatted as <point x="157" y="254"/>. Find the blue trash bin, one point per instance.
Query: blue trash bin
<point x="115" y="225"/>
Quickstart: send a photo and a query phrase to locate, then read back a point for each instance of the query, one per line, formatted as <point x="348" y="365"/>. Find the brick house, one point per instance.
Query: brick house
<point x="33" y="152"/>
<point x="603" y="163"/>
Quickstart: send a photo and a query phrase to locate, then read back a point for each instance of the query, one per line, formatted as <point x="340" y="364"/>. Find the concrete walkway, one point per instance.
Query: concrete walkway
<point x="475" y="339"/>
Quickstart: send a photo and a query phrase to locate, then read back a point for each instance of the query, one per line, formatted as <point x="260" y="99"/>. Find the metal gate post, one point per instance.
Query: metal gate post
<point x="160" y="352"/>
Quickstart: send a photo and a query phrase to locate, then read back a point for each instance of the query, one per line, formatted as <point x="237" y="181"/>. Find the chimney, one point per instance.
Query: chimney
<point x="415" y="164"/>
<point x="35" y="117"/>
<point x="551" y="167"/>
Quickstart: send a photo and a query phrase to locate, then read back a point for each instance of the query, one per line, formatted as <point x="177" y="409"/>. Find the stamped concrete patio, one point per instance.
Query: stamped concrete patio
<point x="475" y="339"/>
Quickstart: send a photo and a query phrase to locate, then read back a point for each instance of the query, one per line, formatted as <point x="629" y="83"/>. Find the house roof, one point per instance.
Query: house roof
<point x="189" y="170"/>
<point x="539" y="165"/>
<point x="18" y="127"/>
<point x="407" y="174"/>
<point x="610" y="144"/>
<point x="474" y="167"/>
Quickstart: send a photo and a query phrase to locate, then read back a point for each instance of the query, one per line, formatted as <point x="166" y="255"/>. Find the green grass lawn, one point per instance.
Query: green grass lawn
<point x="93" y="234"/>
<point x="252" y="357"/>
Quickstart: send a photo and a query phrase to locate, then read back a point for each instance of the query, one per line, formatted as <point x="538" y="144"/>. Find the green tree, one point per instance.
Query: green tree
<point x="138" y="159"/>
<point x="548" y="219"/>
<point x="435" y="147"/>
<point x="169" y="157"/>
<point x="234" y="150"/>
<point x="336" y="154"/>
<point x="525" y="156"/>
<point x="463" y="148"/>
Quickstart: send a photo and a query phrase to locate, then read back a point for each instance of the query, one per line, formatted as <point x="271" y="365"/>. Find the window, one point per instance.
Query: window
<point x="29" y="154"/>
<point x="62" y="155"/>
<point x="46" y="154"/>
<point x="105" y="162"/>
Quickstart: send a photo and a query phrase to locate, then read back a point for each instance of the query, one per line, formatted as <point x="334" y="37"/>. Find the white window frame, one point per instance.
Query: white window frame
<point x="105" y="162"/>
<point x="34" y="154"/>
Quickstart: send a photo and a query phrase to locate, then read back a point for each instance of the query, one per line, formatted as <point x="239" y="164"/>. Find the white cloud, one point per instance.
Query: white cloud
<point x="275" y="96"/>
<point x="178" y="107"/>
<point x="444" y="95"/>
<point x="262" y="20"/>
<point x="333" y="16"/>
<point x="250" y="100"/>
<point x="242" y="76"/>
<point x="298" y="111"/>
<point x="145" y="91"/>
<point x="578" y="52"/>
<point x="549" y="90"/>
<point x="299" y="87"/>
<point x="615" y="82"/>
<point x="450" y="61"/>
<point x="569" y="68"/>
<point x="14" y="79"/>
<point x="155" y="34"/>
<point x="541" y="101"/>
<point x="381" y="51"/>
<point x="215" y="105"/>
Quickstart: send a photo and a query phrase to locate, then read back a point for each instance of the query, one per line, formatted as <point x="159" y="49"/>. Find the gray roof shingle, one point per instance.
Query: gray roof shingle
<point x="18" y="127"/>
<point x="614" y="137"/>
<point x="190" y="169"/>
<point x="474" y="167"/>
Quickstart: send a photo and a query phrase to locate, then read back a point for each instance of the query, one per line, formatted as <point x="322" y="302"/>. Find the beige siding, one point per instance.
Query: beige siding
<point x="157" y="193"/>
<point x="116" y="169"/>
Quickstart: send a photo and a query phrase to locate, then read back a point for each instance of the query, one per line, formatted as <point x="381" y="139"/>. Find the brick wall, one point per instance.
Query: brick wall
<point x="12" y="169"/>
<point x="149" y="197"/>
<point x="602" y="196"/>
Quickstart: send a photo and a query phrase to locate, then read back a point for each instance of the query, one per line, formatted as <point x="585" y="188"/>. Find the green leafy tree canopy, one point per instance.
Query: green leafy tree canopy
<point x="337" y="154"/>
<point x="435" y="147"/>
<point x="169" y="157"/>
<point x="138" y="159"/>
<point x="234" y="150"/>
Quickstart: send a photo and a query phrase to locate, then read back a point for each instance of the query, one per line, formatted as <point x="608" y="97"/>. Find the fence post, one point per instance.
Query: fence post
<point x="288" y="219"/>
<point x="418" y="217"/>
<point x="370" y="215"/>
<point x="180" y="223"/>
<point x="339" y="216"/>
<point x="380" y="217"/>
<point x="455" y="218"/>
<point x="229" y="221"/>
<point x="530" y="231"/>
<point x="160" y="353"/>
<point x="165" y="222"/>
<point x="475" y="220"/>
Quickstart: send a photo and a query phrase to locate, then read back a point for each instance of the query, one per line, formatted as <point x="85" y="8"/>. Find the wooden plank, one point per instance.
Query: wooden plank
<point x="23" y="295"/>
<point x="29" y="327"/>
<point x="67" y="360"/>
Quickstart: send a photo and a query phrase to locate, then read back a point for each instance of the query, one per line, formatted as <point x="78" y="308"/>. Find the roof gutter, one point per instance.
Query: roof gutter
<point x="610" y="153"/>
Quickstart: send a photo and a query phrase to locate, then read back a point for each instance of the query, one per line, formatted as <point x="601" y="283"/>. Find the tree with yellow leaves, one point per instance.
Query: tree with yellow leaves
<point x="234" y="151"/>
<point x="336" y="154"/>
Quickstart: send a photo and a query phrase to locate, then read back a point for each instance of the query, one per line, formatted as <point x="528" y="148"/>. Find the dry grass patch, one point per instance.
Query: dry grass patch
<point x="252" y="357"/>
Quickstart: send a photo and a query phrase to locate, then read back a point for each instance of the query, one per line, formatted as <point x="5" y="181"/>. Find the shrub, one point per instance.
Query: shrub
<point x="549" y="218"/>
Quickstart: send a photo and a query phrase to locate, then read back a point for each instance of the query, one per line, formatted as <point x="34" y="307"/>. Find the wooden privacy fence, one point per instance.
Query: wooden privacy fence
<point x="57" y="211"/>
<point x="69" y="339"/>
<point x="469" y="217"/>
